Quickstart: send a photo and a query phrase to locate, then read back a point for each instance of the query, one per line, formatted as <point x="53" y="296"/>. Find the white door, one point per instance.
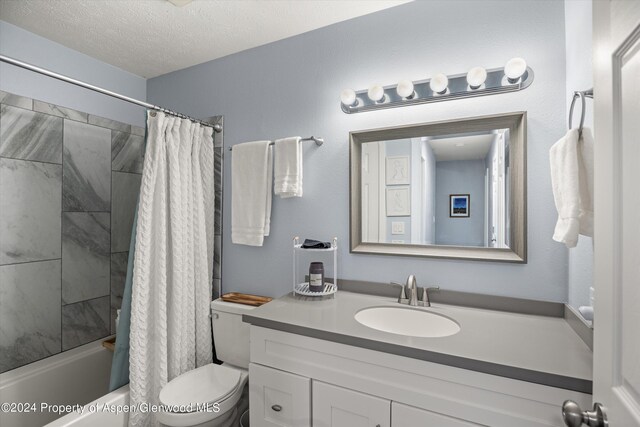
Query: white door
<point x="372" y="174"/>
<point x="617" y="210"/>
<point x="340" y="407"/>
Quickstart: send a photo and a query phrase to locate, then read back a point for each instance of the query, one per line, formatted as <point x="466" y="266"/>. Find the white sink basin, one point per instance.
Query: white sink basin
<point x="407" y="321"/>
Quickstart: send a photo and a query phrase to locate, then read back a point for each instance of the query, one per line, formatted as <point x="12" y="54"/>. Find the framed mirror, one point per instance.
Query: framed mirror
<point x="451" y="189"/>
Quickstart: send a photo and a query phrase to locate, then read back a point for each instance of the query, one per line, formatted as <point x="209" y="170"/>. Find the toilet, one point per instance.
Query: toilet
<point x="215" y="389"/>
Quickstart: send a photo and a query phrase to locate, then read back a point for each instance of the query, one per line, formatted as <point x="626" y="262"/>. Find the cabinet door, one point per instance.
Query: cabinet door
<point x="339" y="407"/>
<point x="278" y="398"/>
<point x="405" y="416"/>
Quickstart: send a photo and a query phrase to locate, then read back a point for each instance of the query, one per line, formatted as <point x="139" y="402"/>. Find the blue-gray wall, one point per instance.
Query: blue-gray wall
<point x="28" y="47"/>
<point x="292" y="87"/>
<point x="460" y="177"/>
<point x="578" y="16"/>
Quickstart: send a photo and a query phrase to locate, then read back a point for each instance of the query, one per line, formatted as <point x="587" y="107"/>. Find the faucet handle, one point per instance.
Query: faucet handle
<point x="426" y="302"/>
<point x="403" y="294"/>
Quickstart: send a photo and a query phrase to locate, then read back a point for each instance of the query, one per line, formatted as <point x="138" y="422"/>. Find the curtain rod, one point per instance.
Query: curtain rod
<point x="17" y="63"/>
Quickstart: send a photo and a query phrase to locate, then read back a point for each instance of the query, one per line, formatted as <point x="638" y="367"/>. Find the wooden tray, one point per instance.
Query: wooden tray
<point x="110" y="344"/>
<point x="247" y="299"/>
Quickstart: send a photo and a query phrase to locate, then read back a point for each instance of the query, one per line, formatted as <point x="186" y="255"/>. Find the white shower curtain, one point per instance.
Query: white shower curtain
<point x="172" y="273"/>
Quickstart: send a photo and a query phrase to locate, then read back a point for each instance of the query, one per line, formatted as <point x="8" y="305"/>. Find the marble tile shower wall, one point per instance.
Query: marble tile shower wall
<point x="68" y="186"/>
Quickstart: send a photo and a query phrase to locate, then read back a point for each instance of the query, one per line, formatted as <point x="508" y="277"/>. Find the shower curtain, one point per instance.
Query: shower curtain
<point x="170" y="331"/>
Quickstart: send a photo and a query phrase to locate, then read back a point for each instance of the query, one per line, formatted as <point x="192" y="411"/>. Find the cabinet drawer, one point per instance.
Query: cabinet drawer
<point x="404" y="415"/>
<point x="340" y="407"/>
<point x="278" y="398"/>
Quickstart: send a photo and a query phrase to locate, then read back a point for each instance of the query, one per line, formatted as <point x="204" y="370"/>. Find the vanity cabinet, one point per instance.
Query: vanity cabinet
<point x="329" y="384"/>
<point x="405" y="415"/>
<point x="278" y="398"/>
<point x="340" y="407"/>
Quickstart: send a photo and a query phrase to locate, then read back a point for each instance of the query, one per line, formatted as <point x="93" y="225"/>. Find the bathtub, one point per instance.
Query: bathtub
<point x="74" y="377"/>
<point x="94" y="414"/>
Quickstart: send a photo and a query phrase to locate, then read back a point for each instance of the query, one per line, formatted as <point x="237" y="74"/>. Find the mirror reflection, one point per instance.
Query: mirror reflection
<point x="450" y="190"/>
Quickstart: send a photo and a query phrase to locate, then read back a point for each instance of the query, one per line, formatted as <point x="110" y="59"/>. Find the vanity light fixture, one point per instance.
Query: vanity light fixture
<point x="348" y="98"/>
<point x="439" y="83"/>
<point x="376" y="93"/>
<point x="405" y="89"/>
<point x="514" y="69"/>
<point x="476" y="77"/>
<point x="478" y="81"/>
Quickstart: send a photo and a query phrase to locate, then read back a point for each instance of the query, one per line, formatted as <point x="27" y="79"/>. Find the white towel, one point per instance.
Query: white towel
<point x="572" y="182"/>
<point x="251" y="177"/>
<point x="288" y="167"/>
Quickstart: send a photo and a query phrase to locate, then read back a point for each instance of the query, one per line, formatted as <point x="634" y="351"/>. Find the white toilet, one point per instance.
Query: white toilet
<point x="213" y="384"/>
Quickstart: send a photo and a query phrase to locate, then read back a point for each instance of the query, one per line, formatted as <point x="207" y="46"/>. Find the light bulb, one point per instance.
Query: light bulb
<point x="514" y="69"/>
<point x="376" y="93"/>
<point x="439" y="83"/>
<point x="348" y="97"/>
<point x="476" y="77"/>
<point x="405" y="89"/>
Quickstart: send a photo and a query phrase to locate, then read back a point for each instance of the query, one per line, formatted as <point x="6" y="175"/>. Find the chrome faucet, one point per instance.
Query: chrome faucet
<point x="412" y="289"/>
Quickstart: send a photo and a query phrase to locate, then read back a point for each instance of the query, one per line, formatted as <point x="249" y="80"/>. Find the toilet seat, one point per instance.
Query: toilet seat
<point x="202" y="386"/>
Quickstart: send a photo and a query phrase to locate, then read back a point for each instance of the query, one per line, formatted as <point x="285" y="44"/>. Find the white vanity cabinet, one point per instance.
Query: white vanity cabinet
<point x="320" y="383"/>
<point x="278" y="399"/>
<point x="334" y="406"/>
<point x="405" y="416"/>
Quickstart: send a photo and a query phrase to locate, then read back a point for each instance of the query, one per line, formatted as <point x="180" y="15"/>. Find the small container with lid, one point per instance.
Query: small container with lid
<point x="316" y="276"/>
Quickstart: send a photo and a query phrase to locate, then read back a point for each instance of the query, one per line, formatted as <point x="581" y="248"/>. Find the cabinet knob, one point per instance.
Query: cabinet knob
<point x="278" y="408"/>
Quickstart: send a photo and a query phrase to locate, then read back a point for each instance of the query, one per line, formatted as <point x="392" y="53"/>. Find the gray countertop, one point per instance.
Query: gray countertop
<point x="538" y="349"/>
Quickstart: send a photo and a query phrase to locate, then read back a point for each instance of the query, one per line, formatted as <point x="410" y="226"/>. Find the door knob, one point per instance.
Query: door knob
<point x="573" y="416"/>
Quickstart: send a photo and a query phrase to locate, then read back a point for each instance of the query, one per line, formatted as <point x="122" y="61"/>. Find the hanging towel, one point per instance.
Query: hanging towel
<point x="251" y="177"/>
<point x="288" y="167"/>
<point x="572" y="182"/>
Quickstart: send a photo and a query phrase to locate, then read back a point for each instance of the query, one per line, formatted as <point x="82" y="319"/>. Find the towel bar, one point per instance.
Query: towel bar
<point x="318" y="141"/>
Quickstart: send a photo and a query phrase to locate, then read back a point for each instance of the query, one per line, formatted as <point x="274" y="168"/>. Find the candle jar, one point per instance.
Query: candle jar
<point x="316" y="277"/>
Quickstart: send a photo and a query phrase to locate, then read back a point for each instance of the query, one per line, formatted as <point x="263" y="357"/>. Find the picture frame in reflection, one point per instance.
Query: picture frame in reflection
<point x="398" y="201"/>
<point x="459" y="205"/>
<point x="397" y="170"/>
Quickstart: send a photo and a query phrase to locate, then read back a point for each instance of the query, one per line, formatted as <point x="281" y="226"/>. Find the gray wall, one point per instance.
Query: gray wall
<point x="292" y="87"/>
<point x="460" y="177"/>
<point x="68" y="187"/>
<point x="28" y="47"/>
<point x="579" y="77"/>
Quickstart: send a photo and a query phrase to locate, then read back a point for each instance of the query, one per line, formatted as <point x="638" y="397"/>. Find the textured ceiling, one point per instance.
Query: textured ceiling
<point x="154" y="37"/>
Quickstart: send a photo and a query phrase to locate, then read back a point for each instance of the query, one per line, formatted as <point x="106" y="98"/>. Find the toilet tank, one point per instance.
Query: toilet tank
<point x="230" y="334"/>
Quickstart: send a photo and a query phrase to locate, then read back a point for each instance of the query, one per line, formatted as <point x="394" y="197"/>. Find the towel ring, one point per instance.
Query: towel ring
<point x="577" y="95"/>
<point x="583" y="95"/>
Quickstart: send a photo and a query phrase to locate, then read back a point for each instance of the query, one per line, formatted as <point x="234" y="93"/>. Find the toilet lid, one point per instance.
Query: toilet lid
<point x="207" y="384"/>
